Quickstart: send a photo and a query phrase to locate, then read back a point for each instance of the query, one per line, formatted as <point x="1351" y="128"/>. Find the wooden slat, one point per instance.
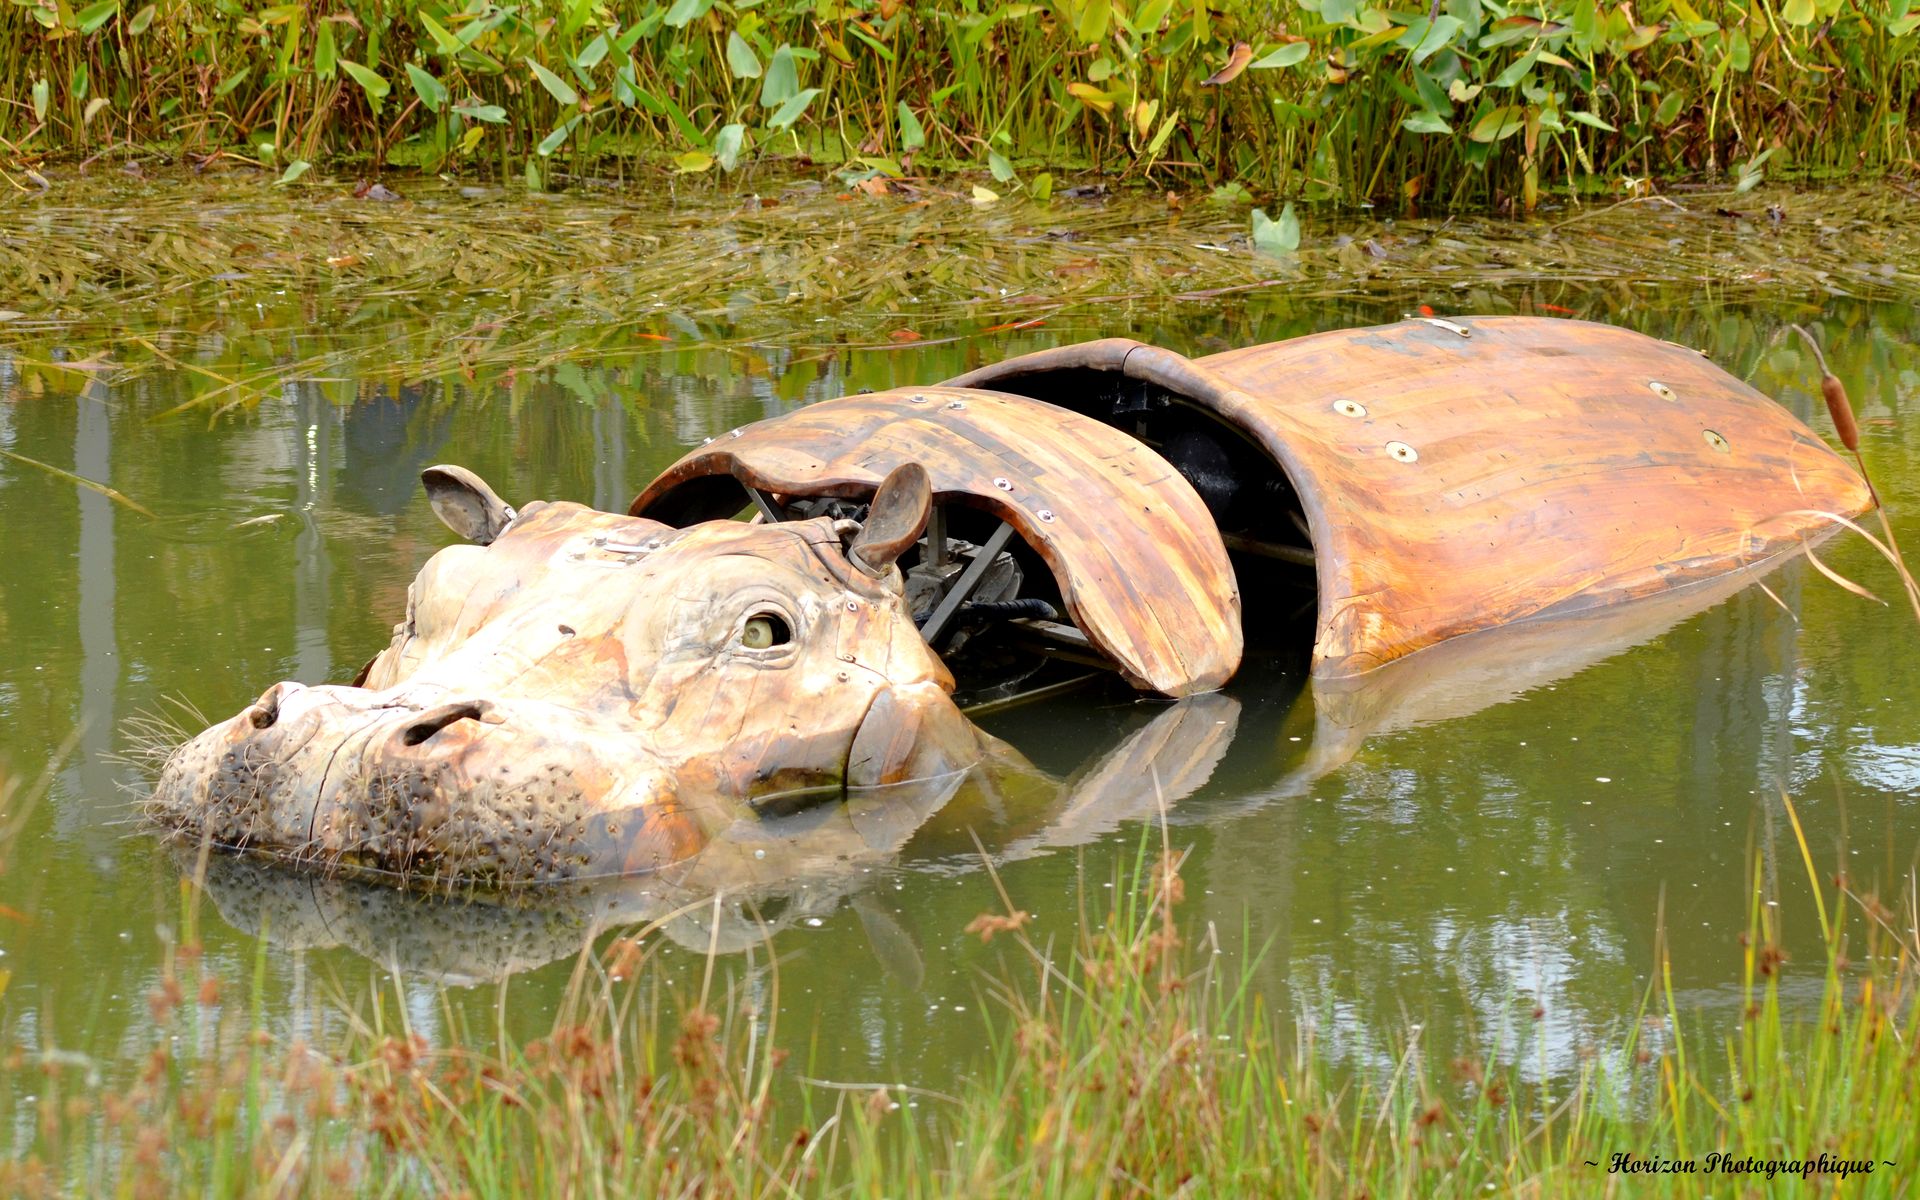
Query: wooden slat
<point x="1562" y="466"/>
<point x="1138" y="561"/>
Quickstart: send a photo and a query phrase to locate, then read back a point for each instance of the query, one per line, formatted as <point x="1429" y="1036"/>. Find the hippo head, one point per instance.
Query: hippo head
<point x="585" y="694"/>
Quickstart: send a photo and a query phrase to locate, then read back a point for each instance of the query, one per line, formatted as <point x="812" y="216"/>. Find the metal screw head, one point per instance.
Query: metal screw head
<point x="916" y="399"/>
<point x="1045" y="514"/>
<point x="1661" y="390"/>
<point x="1401" y="452"/>
<point x="853" y="606"/>
<point x="1003" y="483"/>
<point x="733" y="433"/>
<point x="1350" y="408"/>
<point x="846" y="658"/>
<point x="955" y="406"/>
<point x="1716" y="441"/>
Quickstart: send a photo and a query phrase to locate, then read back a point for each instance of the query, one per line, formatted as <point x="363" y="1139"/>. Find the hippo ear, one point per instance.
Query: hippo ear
<point x="465" y="504"/>
<point x="894" y="521"/>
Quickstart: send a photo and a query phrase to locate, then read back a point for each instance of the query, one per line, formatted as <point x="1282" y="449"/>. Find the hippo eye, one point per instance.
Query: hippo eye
<point x="763" y="630"/>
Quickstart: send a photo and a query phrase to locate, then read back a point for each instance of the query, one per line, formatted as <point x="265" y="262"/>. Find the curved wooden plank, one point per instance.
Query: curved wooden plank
<point x="1137" y="559"/>
<point x="1556" y="467"/>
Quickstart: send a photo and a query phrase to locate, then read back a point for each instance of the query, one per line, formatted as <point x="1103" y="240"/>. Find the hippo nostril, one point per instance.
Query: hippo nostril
<point x="434" y="720"/>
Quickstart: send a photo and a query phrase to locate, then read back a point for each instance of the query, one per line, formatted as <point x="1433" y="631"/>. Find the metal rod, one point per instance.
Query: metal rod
<point x="936" y="537"/>
<point x="1054" y="631"/>
<point x="963" y="586"/>
<point x="1047" y="692"/>
<point x="1247" y="545"/>
<point x="768" y="506"/>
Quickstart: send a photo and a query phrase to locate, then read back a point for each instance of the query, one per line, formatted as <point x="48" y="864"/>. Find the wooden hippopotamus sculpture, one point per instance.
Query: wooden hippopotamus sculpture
<point x="588" y="694"/>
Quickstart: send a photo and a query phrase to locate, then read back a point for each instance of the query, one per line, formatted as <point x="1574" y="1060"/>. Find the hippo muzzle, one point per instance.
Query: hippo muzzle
<point x="587" y="694"/>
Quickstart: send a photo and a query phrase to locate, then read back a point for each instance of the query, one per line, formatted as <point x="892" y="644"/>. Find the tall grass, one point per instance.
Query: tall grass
<point x="1130" y="1063"/>
<point x="1457" y="102"/>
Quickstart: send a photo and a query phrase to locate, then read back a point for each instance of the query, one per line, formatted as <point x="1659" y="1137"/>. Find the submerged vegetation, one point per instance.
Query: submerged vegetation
<point x="1131" y="1063"/>
<point x="1457" y="103"/>
<point x="231" y="292"/>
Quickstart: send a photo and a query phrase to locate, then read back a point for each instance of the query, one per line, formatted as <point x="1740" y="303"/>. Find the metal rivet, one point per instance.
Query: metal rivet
<point x="1004" y="484"/>
<point x="1716" y="441"/>
<point x="1661" y="390"/>
<point x="733" y="433"/>
<point x="1045" y="514"/>
<point x="846" y="658"/>
<point x="1402" y="452"/>
<point x="853" y="606"/>
<point x="1449" y="326"/>
<point x="1350" y="408"/>
<point x="956" y="405"/>
<point x="916" y="399"/>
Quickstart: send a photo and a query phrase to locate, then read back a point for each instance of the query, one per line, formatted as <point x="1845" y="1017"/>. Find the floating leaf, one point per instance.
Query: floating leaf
<point x="556" y="87"/>
<point x="692" y="162"/>
<point x="295" y="170"/>
<point x="791" y="110"/>
<point x="983" y="195"/>
<point x="1276" y="237"/>
<point x="1040" y="187"/>
<point x="1291" y="54"/>
<point x="741" y="59"/>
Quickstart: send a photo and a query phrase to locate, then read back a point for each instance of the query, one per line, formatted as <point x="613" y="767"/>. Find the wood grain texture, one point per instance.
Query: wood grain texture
<point x="1557" y="466"/>
<point x="1138" y="561"/>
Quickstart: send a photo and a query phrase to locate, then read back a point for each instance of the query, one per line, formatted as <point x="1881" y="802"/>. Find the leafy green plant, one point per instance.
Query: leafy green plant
<point x="1456" y="103"/>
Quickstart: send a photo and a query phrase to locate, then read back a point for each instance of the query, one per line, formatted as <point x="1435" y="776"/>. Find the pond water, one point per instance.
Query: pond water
<point x="1491" y="850"/>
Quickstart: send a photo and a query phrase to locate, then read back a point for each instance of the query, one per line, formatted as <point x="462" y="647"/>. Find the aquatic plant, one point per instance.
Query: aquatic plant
<point x="1131" y="1063"/>
<point x="1466" y="102"/>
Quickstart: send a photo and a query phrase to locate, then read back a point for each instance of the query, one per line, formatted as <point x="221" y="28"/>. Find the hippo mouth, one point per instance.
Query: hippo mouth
<point x="460" y="790"/>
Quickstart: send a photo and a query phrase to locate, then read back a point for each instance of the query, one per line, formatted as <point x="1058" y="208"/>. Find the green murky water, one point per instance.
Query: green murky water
<point x="1490" y="850"/>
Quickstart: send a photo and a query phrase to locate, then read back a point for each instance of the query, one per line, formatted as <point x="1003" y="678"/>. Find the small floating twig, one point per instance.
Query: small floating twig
<point x="113" y="494"/>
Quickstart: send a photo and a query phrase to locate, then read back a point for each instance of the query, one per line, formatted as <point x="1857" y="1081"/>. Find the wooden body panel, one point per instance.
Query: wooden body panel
<point x="1555" y="467"/>
<point x="1138" y="561"/>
